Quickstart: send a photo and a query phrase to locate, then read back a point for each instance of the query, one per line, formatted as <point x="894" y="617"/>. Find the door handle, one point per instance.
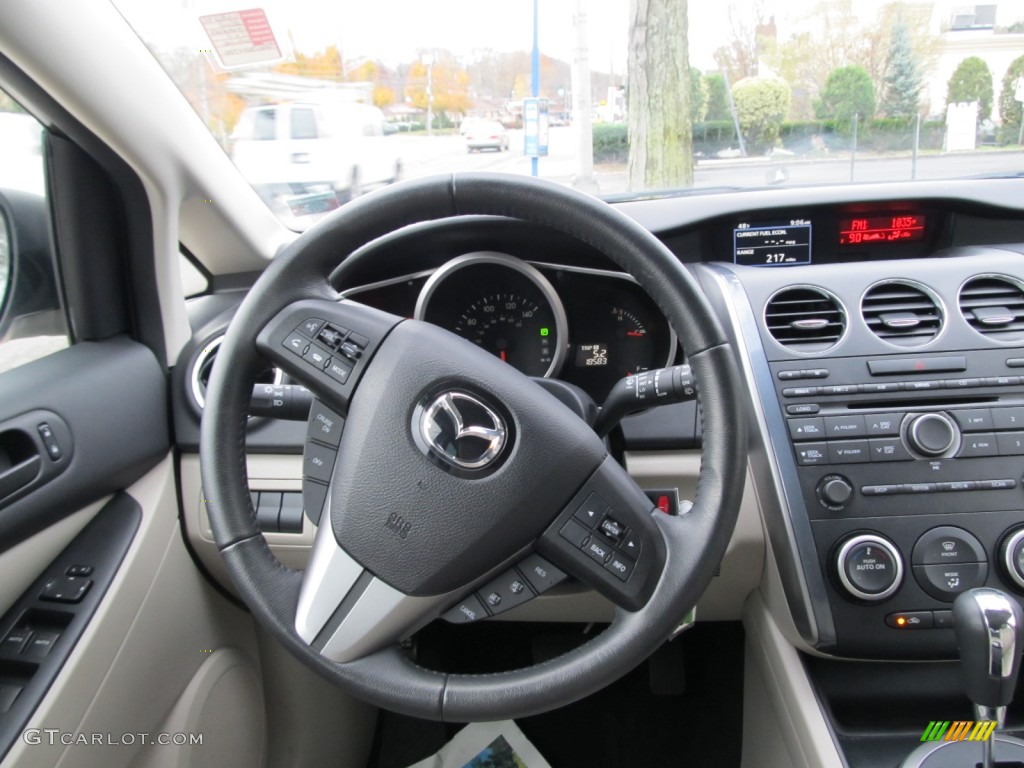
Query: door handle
<point x="20" y="475"/>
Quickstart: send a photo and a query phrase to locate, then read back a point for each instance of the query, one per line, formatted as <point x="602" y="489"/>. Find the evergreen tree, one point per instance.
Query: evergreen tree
<point x="903" y="79"/>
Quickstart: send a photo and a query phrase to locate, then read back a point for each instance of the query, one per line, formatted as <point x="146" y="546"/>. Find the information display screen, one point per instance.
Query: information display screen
<point x="591" y="355"/>
<point x="881" y="229"/>
<point x="772" y="245"/>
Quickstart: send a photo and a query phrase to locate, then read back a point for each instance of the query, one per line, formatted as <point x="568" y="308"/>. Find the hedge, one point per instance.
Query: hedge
<point x="885" y="134"/>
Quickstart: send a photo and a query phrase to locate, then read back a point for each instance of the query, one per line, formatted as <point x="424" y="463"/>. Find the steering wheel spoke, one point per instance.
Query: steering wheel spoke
<point x="345" y="612"/>
<point x="326" y="345"/>
<point x="606" y="537"/>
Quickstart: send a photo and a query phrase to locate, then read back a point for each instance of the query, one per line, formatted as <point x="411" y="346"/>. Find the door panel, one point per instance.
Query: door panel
<point x="111" y="395"/>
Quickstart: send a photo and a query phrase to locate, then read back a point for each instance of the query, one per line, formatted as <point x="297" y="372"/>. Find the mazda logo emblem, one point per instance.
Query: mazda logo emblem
<point x="460" y="430"/>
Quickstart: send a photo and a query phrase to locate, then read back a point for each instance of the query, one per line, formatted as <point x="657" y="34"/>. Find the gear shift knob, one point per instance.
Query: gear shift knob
<point x="987" y="622"/>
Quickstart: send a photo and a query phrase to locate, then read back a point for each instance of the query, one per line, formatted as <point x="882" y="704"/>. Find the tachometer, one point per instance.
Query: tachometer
<point x="501" y="304"/>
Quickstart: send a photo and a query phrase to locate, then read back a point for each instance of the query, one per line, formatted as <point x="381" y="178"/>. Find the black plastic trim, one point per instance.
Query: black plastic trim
<point x="112" y="396"/>
<point x="102" y="544"/>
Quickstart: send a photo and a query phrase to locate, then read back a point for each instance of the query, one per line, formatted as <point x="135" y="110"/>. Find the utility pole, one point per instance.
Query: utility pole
<point x="581" y="117"/>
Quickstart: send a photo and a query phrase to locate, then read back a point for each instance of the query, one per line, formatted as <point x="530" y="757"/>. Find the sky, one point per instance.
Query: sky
<point x="394" y="30"/>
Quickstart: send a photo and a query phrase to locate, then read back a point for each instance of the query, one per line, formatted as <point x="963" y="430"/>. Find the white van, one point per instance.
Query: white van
<point x="285" y="150"/>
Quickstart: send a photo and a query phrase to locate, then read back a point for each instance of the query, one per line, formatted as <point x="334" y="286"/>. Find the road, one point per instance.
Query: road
<point x="424" y="155"/>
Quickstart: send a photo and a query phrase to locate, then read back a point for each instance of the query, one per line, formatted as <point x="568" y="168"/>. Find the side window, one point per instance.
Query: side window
<point x="303" y="123"/>
<point x="265" y="125"/>
<point x="32" y="320"/>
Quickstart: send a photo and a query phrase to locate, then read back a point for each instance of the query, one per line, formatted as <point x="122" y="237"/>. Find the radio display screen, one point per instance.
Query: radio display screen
<point x="881" y="229"/>
<point x="772" y="245"/>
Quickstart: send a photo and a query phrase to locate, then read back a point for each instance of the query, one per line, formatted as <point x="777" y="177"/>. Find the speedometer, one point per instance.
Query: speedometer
<point x="501" y="304"/>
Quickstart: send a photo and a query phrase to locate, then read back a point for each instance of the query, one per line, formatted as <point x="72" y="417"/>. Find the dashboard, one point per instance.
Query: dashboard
<point x="880" y="340"/>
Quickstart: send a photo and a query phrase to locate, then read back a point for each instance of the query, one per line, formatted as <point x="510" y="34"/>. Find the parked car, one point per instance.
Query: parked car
<point x="487" y="134"/>
<point x="294" y="149"/>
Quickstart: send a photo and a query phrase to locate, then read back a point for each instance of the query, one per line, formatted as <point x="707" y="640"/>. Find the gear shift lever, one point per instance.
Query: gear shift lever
<point x="987" y="622"/>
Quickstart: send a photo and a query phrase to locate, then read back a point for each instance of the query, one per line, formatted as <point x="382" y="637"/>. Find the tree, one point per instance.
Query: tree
<point x="903" y="79"/>
<point x="1009" y="107"/>
<point x="718" y="98"/>
<point x="449" y="83"/>
<point x="747" y="30"/>
<point x="322" y="65"/>
<point x="698" y="96"/>
<point x="660" y="133"/>
<point x="972" y="81"/>
<point x="848" y="91"/>
<point x="762" y="103"/>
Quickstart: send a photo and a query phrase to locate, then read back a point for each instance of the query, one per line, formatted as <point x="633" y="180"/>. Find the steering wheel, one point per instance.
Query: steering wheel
<point x="454" y="469"/>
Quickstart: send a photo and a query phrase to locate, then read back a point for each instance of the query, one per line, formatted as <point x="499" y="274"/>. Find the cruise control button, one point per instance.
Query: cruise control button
<point x="318" y="462"/>
<point x="470" y="609"/>
<point x="811" y="454"/>
<point x="314" y="495"/>
<point x="505" y="592"/>
<point x="807" y="429"/>
<point x="621" y="566"/>
<point x="324" y="425"/>
<point x="945" y="582"/>
<point x="541" y="574"/>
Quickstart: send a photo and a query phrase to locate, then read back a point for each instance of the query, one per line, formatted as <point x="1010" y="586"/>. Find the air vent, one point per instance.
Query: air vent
<point x="994" y="307"/>
<point x="203" y="366"/>
<point x="805" y="319"/>
<point x="901" y="313"/>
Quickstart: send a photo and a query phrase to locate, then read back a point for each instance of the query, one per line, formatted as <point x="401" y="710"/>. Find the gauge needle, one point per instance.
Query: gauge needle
<point x="503" y="355"/>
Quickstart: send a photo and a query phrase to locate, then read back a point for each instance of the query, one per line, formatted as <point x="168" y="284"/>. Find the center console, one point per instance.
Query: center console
<point x="890" y="448"/>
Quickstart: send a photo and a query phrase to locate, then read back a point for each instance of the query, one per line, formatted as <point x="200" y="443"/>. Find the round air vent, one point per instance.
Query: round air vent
<point x="202" y="366"/>
<point x="902" y="313"/>
<point x="994" y="307"/>
<point x="805" y="319"/>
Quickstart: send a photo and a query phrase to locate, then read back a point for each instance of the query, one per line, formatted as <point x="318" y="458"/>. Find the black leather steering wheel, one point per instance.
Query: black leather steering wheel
<point x="453" y="467"/>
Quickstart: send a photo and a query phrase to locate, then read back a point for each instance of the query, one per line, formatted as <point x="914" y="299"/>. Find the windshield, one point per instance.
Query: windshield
<point x="319" y="102"/>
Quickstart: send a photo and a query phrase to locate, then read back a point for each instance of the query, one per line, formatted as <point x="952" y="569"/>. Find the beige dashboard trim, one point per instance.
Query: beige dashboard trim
<point x="783" y="725"/>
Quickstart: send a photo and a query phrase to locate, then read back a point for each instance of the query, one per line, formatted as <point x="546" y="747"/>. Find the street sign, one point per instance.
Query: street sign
<point x="535" y="127"/>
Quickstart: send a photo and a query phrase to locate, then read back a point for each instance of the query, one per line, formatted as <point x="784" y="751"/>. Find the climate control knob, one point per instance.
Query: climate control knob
<point x="869" y="567"/>
<point x="931" y="434"/>
<point x="1011" y="557"/>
